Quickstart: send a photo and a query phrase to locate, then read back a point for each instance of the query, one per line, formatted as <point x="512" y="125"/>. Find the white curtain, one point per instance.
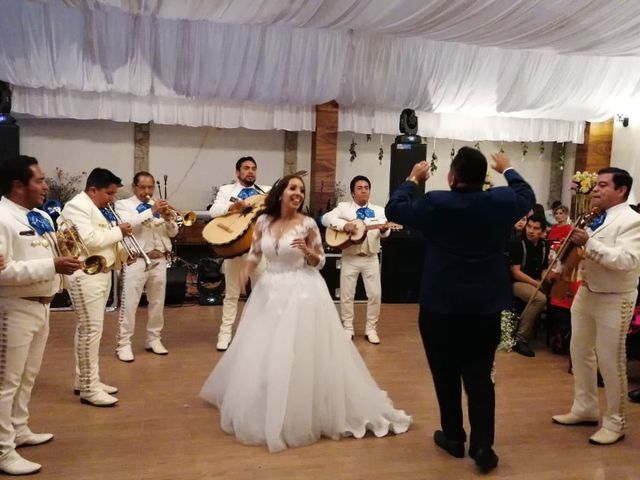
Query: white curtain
<point x="91" y="57"/>
<point x="62" y="103"/>
<point x="602" y="27"/>
<point x="463" y="127"/>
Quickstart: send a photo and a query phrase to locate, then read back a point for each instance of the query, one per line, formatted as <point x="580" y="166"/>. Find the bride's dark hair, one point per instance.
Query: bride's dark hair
<point x="274" y="197"/>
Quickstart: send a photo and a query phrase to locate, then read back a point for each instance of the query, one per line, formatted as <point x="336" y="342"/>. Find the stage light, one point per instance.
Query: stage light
<point x="7" y="119"/>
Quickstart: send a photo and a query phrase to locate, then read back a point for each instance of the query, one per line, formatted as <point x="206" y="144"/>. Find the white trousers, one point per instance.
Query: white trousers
<point x="599" y="325"/>
<point x="134" y="279"/>
<point x="89" y="294"/>
<point x="232" y="269"/>
<point x="351" y="267"/>
<point x="24" y="328"/>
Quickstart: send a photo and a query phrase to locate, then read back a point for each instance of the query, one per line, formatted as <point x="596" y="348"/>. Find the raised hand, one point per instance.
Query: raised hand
<point x="421" y="171"/>
<point x="500" y="162"/>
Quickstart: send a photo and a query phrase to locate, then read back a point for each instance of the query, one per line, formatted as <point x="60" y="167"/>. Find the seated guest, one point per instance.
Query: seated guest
<point x="549" y="215"/>
<point x="529" y="259"/>
<point x="561" y="229"/>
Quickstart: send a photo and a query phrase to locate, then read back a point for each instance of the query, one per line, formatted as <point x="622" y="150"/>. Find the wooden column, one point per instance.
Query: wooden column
<point x="595" y="152"/>
<point x="141" y="147"/>
<point x="556" y="172"/>
<point x="290" y="152"/>
<point x="324" y="148"/>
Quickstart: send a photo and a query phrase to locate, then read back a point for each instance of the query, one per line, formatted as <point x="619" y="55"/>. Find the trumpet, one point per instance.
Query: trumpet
<point x="67" y="242"/>
<point x="131" y="244"/>
<point x="182" y="219"/>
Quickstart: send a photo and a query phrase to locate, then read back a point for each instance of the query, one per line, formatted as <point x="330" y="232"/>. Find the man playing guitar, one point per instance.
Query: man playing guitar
<point x="360" y="259"/>
<point x="231" y="198"/>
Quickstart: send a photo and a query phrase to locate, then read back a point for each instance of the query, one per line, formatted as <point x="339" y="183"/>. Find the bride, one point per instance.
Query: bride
<point x="291" y="374"/>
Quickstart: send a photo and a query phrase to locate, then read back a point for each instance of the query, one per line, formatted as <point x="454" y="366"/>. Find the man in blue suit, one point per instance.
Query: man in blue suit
<point x="465" y="286"/>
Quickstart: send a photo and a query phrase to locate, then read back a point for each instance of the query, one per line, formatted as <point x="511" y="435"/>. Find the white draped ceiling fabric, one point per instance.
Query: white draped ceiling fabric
<point x="513" y="70"/>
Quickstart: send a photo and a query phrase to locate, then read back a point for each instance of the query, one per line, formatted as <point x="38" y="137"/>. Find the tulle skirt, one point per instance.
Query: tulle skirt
<point x="292" y="375"/>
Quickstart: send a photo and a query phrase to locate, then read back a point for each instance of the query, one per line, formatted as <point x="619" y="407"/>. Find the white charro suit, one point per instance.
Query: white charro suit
<point x="601" y="313"/>
<point x="359" y="260"/>
<point x="89" y="293"/>
<point x="232" y="266"/>
<point x="154" y="236"/>
<point x="24" y="321"/>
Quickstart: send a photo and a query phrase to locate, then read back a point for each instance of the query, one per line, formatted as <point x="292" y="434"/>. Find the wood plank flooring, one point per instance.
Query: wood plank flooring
<point x="162" y="430"/>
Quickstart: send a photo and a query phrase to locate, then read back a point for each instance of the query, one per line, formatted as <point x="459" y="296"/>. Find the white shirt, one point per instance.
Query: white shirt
<point x="151" y="233"/>
<point x="346" y="212"/>
<point x="30" y="271"/>
<point x="226" y="193"/>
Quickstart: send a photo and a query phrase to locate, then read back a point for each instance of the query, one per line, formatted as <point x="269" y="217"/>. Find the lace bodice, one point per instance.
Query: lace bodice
<point x="281" y="256"/>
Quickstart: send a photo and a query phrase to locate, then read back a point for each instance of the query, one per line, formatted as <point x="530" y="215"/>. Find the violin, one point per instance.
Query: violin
<point x="570" y="255"/>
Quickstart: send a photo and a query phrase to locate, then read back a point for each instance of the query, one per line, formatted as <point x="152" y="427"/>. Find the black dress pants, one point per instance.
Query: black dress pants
<point x="460" y="350"/>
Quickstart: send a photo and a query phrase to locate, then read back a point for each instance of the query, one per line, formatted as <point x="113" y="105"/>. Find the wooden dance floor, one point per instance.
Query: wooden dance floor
<point x="162" y="430"/>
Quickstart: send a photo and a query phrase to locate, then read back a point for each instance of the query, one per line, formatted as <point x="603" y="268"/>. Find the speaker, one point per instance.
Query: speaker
<point x="176" y="285"/>
<point x="403" y="253"/>
<point x="403" y="157"/>
<point x="5" y="98"/>
<point x="9" y="141"/>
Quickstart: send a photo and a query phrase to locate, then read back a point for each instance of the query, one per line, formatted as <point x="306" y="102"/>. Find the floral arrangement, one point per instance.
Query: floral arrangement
<point x="63" y="186"/>
<point x="508" y="323"/>
<point x="488" y="183"/>
<point x="583" y="182"/>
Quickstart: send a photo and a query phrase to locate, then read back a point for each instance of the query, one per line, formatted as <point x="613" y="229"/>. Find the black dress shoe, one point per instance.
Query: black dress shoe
<point x="486" y="459"/>
<point x="523" y="348"/>
<point x="452" y="447"/>
<point x="634" y="395"/>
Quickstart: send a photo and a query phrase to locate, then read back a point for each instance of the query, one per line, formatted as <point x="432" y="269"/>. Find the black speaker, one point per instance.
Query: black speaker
<point x="403" y="157"/>
<point x="9" y="141"/>
<point x="176" y="285"/>
<point x="403" y="257"/>
<point x="5" y="98"/>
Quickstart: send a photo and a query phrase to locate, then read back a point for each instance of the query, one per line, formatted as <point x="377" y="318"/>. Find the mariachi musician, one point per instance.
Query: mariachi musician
<point x="154" y="226"/>
<point x="29" y="278"/>
<point x="360" y="259"/>
<point x="89" y="212"/>
<point x="603" y="307"/>
<point x="230" y="198"/>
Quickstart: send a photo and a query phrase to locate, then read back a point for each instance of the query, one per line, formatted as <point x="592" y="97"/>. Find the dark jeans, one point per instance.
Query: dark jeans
<point x="460" y="350"/>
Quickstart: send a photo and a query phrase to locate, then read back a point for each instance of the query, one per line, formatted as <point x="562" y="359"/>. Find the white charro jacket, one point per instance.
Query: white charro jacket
<point x="612" y="253"/>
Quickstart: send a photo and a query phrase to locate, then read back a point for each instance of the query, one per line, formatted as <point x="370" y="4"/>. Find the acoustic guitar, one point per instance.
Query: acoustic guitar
<point x="230" y="234"/>
<point x="340" y="239"/>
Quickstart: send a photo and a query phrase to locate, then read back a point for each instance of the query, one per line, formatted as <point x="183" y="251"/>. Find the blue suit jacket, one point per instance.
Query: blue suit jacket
<point x="466" y="234"/>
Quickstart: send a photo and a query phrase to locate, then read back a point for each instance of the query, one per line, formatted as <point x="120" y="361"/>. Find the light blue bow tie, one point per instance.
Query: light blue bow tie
<point x="365" y="212"/>
<point x="108" y="214"/>
<point x="146" y="206"/>
<point x="40" y="224"/>
<point x="598" y="221"/>
<point x="247" y="192"/>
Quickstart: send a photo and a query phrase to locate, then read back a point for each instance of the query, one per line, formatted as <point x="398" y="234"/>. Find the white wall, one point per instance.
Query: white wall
<point x="78" y="145"/>
<point x="625" y="152"/>
<point x="196" y="159"/>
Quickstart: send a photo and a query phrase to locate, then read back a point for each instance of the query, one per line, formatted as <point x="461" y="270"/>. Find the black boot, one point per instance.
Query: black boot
<point x="452" y="447"/>
<point x="486" y="459"/>
<point x="634" y="395"/>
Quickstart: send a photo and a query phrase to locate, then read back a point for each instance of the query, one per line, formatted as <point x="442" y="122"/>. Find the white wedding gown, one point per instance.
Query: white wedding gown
<point x="291" y="374"/>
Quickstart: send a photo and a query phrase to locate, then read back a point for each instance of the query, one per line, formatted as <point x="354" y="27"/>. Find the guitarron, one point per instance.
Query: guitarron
<point x="230" y="234"/>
